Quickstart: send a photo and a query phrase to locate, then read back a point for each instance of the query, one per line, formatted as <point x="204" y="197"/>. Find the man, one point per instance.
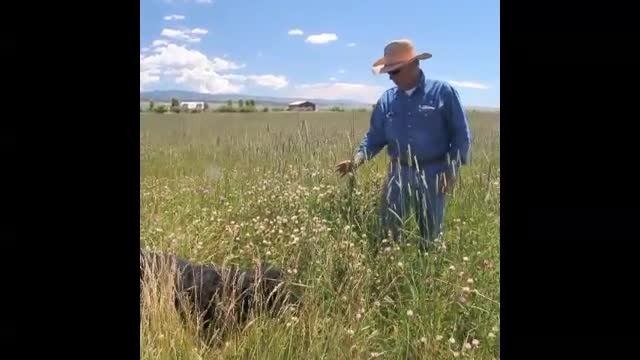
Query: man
<point x="425" y="129"/>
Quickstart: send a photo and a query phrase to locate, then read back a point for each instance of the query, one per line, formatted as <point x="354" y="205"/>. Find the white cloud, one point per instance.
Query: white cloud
<point x="199" y="31"/>
<point x="190" y="35"/>
<point x="468" y="84"/>
<point x="323" y="38"/>
<point x="174" y="17"/>
<point x="342" y="71"/>
<point x="340" y="90"/>
<point x="160" y="43"/>
<point x="295" y="32"/>
<point x="205" y="80"/>
<point x="148" y="77"/>
<point x="272" y="81"/>
<point x="200" y="73"/>
<point x="234" y="77"/>
<point x="173" y="56"/>
<point x="332" y="79"/>
<point x="219" y="64"/>
<point x="186" y="1"/>
<point x="144" y="49"/>
<point x="174" y="34"/>
<point x="179" y="57"/>
<point x="351" y="44"/>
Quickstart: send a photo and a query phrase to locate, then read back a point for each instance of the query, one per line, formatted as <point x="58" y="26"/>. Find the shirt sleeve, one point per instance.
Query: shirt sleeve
<point x="375" y="139"/>
<point x="458" y="125"/>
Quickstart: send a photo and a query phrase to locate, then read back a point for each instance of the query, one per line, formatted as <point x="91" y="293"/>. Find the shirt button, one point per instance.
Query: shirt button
<point x="409" y="112"/>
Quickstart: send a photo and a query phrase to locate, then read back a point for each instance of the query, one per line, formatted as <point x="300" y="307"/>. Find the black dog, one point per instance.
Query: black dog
<point x="201" y="288"/>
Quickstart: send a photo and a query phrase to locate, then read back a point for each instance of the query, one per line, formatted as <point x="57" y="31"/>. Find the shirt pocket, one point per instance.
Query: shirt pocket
<point x="430" y="118"/>
<point x="427" y="110"/>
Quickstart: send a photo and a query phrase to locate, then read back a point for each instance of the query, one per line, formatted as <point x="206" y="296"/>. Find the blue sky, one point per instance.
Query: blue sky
<point x="316" y="49"/>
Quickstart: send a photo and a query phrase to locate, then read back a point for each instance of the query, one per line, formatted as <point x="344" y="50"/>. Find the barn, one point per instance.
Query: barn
<point x="192" y="105"/>
<point x="302" y="106"/>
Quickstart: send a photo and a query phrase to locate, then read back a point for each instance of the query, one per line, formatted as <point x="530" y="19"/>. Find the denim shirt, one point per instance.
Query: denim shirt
<point x="430" y="125"/>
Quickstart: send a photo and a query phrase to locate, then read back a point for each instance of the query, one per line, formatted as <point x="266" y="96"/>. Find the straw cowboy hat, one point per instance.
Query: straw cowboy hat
<point x="396" y="54"/>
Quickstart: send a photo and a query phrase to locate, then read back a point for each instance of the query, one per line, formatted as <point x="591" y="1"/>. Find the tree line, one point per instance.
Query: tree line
<point x="242" y="106"/>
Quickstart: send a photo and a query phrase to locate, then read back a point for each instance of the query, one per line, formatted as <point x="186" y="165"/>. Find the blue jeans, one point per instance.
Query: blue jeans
<point x="407" y="188"/>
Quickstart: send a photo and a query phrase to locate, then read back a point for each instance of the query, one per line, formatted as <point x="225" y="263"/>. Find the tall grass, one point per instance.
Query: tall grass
<point x="234" y="188"/>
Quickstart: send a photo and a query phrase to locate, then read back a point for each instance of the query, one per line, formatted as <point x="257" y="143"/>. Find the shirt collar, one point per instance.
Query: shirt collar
<point x="422" y="81"/>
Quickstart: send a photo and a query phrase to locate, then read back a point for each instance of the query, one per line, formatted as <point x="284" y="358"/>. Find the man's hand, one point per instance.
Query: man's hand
<point x="345" y="167"/>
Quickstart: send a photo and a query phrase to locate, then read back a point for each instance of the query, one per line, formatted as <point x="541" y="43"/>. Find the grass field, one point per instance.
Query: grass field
<point x="234" y="188"/>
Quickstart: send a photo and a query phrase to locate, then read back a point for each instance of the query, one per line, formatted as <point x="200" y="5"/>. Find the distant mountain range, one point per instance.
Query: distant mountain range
<point x="166" y="95"/>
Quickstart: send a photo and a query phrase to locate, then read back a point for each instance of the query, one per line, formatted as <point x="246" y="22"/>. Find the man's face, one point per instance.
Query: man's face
<point x="405" y="76"/>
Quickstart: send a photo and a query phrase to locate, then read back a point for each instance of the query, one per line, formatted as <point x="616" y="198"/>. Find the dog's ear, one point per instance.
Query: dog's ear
<point x="241" y="280"/>
<point x="142" y="263"/>
<point x="147" y="262"/>
<point x="275" y="287"/>
<point x="269" y="272"/>
<point x="269" y="280"/>
<point x="272" y="276"/>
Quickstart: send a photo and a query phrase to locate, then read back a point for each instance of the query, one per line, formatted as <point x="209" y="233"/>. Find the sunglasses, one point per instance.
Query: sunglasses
<point x="396" y="71"/>
<point x="399" y="70"/>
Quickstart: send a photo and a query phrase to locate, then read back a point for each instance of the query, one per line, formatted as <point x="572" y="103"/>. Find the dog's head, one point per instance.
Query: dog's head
<point x="263" y="288"/>
<point x="274" y="289"/>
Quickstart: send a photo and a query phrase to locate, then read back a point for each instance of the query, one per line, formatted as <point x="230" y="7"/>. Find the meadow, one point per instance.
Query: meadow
<point x="237" y="188"/>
